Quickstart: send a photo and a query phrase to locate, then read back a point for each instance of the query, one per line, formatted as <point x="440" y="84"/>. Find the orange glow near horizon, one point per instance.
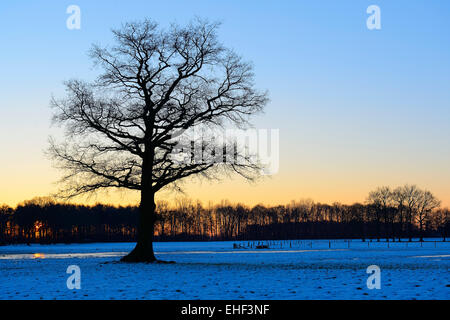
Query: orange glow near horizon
<point x="321" y="186"/>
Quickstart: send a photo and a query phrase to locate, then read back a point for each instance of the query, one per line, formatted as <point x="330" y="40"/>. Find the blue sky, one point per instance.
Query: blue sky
<point x="356" y="108"/>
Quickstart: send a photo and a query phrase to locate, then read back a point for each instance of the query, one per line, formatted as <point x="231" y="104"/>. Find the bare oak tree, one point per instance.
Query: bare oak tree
<point x="426" y="203"/>
<point x="411" y="195"/>
<point x="381" y="199"/>
<point x="124" y="129"/>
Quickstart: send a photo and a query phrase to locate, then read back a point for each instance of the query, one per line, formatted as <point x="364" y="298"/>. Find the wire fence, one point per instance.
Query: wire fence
<point x="339" y="244"/>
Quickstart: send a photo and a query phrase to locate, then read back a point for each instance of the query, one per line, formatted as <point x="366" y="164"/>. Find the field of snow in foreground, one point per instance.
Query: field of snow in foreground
<point x="214" y="270"/>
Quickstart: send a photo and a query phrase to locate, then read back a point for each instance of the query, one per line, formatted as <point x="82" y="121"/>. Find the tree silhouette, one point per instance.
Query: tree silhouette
<point x="399" y="199"/>
<point x="425" y="205"/>
<point x="381" y="199"/>
<point x="125" y="130"/>
<point x="412" y="197"/>
<point x="441" y="221"/>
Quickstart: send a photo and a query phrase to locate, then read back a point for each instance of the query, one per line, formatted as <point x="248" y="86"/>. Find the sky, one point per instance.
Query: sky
<point x="355" y="108"/>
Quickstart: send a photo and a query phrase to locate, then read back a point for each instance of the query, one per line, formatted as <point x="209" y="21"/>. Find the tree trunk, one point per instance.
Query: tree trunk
<point x="143" y="252"/>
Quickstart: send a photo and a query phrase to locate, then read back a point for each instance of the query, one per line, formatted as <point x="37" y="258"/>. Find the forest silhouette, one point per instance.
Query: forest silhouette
<point x="393" y="215"/>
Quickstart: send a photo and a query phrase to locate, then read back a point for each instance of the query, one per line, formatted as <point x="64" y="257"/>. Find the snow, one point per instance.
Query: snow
<point x="316" y="269"/>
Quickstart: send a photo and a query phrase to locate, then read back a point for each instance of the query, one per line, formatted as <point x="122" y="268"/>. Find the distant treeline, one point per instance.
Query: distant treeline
<point x="405" y="212"/>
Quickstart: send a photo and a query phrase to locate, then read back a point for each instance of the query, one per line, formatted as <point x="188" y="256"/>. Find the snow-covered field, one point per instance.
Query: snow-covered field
<point x="214" y="270"/>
